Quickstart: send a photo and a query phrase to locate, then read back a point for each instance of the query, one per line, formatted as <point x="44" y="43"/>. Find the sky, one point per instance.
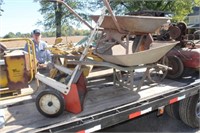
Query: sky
<point x="19" y="16"/>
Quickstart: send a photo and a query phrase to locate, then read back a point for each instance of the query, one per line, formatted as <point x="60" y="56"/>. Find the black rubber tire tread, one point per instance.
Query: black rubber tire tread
<point x="173" y="110"/>
<point x="180" y="72"/>
<point x="60" y="98"/>
<point x="187" y="111"/>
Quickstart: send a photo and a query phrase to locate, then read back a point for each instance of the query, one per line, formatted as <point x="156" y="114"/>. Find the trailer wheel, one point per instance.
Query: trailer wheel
<point x="173" y="110"/>
<point x="189" y="110"/>
<point x="177" y="67"/>
<point x="50" y="103"/>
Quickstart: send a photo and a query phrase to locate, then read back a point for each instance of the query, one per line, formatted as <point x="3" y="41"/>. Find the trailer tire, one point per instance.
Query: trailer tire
<point x="173" y="110"/>
<point x="189" y="110"/>
<point x="177" y="66"/>
<point x="47" y="106"/>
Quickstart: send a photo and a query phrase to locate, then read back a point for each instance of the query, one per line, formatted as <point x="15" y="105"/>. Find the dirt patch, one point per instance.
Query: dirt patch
<point x="49" y="40"/>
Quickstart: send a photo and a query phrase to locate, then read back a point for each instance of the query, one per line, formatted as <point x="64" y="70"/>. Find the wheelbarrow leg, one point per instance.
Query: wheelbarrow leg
<point x="114" y="78"/>
<point x="131" y="78"/>
<point x="142" y="80"/>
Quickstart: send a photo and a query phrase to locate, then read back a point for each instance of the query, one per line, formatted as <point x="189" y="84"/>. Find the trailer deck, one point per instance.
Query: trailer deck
<point x="104" y="105"/>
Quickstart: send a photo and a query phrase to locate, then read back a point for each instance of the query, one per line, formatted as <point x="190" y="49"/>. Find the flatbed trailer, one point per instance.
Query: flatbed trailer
<point x="105" y="105"/>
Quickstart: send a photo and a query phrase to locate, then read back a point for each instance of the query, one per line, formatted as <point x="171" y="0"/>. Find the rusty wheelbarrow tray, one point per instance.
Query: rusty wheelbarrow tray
<point x="116" y="54"/>
<point x="134" y="24"/>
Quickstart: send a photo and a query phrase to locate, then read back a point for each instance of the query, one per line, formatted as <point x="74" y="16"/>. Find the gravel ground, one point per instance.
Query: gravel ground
<point x="152" y="123"/>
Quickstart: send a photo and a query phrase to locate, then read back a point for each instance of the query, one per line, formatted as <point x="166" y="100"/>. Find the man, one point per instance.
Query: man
<point x="42" y="54"/>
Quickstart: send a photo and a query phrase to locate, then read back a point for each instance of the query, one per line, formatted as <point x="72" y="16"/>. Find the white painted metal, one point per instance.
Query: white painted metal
<point x="63" y="69"/>
<point x="49" y="109"/>
<point x="2" y="62"/>
<point x="52" y="83"/>
<point x="93" y="129"/>
<point x="146" y="110"/>
<point x="100" y="20"/>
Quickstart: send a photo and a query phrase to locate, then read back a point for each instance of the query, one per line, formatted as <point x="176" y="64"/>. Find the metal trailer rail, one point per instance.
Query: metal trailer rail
<point x="123" y="113"/>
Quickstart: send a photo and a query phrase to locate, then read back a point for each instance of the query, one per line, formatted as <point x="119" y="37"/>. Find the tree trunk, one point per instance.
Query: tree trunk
<point x="58" y="18"/>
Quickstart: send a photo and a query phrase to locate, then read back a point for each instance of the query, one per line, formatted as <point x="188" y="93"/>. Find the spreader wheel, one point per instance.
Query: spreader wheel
<point x="157" y="74"/>
<point x="177" y="67"/>
<point x="50" y="103"/>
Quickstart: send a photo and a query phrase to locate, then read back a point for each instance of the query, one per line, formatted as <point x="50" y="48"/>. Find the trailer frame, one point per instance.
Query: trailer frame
<point x="123" y="113"/>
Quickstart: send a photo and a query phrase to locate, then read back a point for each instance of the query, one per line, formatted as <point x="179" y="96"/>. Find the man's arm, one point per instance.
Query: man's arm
<point x="48" y="55"/>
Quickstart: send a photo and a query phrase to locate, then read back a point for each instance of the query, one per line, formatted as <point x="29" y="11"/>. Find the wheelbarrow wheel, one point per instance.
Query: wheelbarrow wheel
<point x="177" y="67"/>
<point x="157" y="74"/>
<point x="50" y="103"/>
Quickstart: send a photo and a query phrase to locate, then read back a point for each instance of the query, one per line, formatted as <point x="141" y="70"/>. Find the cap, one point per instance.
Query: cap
<point x="36" y="31"/>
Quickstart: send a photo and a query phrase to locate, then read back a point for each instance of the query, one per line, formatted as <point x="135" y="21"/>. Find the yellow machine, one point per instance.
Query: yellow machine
<point x="17" y="69"/>
<point x="64" y="49"/>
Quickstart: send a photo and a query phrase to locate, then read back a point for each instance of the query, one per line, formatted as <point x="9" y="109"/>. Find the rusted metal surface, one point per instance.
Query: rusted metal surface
<point x="133" y="24"/>
<point x="174" y="32"/>
<point x="3" y="76"/>
<point x="106" y="3"/>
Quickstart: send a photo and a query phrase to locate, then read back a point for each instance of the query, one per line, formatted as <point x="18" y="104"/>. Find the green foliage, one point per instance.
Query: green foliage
<point x="59" y="21"/>
<point x="56" y="16"/>
<point x="69" y="31"/>
<point x="179" y="8"/>
<point x="9" y="35"/>
<point x="1" y="10"/>
<point x="17" y="35"/>
<point x="197" y="2"/>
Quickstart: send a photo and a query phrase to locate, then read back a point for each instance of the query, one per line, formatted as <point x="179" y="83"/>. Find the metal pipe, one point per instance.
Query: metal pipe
<point x="112" y="15"/>
<point x="72" y="11"/>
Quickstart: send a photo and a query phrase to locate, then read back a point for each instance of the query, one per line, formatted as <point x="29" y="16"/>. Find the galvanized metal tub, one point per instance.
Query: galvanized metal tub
<point x="117" y="54"/>
<point x="134" y="24"/>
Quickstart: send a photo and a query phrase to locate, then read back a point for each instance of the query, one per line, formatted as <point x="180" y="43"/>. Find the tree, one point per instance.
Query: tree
<point x="18" y="34"/>
<point x="56" y="16"/>
<point x="10" y="35"/>
<point x="180" y="8"/>
<point x="1" y="3"/>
